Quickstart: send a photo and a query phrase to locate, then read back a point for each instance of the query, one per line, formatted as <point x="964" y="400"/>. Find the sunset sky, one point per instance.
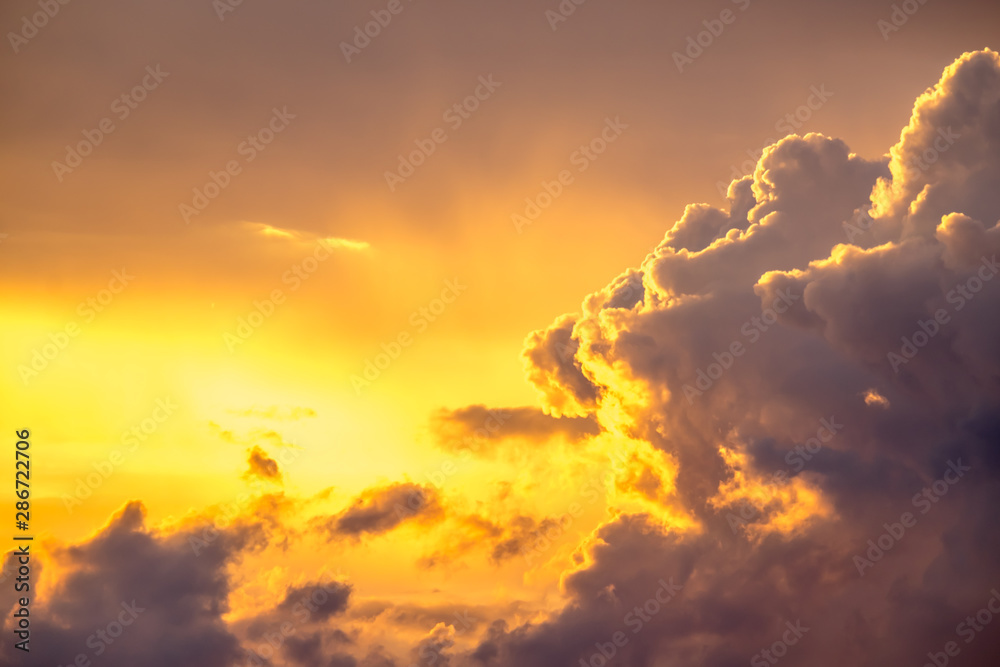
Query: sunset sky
<point x="499" y="322"/>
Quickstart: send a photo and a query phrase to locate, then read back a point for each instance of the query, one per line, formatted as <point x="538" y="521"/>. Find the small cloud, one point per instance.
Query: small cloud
<point x="875" y="399"/>
<point x="332" y="242"/>
<point x="347" y="244"/>
<point x="475" y="425"/>
<point x="263" y="466"/>
<point x="379" y="510"/>
<point x="268" y="230"/>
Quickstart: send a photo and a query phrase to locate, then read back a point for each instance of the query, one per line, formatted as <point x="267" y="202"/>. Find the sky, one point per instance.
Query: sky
<point x="469" y="334"/>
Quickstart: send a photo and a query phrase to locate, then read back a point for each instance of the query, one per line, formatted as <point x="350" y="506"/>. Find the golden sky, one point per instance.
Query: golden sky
<point x="288" y="305"/>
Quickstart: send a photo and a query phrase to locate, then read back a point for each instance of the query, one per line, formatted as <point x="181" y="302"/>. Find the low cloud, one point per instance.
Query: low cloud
<point x="381" y="509"/>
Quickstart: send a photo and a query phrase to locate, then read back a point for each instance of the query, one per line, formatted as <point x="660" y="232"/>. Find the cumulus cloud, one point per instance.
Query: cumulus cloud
<point x="130" y="596"/>
<point x="809" y="377"/>
<point x="807" y="383"/>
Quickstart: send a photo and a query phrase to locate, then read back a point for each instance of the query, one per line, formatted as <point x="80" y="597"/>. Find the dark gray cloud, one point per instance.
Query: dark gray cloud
<point x="819" y="313"/>
<point x="133" y="597"/>
<point x="321" y="600"/>
<point x="380" y="509"/>
<point x="477" y="426"/>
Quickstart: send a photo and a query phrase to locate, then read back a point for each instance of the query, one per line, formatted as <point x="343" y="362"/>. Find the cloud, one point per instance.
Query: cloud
<point x="805" y="387"/>
<point x="756" y="344"/>
<point x="322" y="600"/>
<point x="129" y="596"/>
<point x="271" y="231"/>
<point x="381" y="509"/>
<point x="455" y="429"/>
<point x="262" y="466"/>
<point x="499" y="540"/>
